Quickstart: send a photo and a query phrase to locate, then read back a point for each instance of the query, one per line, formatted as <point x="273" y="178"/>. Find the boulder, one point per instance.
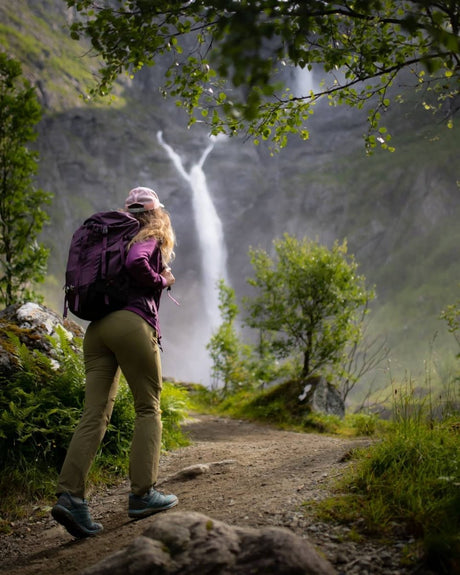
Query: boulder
<point x="33" y="324"/>
<point x="320" y="396"/>
<point x="189" y="543"/>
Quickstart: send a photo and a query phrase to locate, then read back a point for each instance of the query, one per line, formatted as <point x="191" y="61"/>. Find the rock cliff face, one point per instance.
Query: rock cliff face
<point x="398" y="211"/>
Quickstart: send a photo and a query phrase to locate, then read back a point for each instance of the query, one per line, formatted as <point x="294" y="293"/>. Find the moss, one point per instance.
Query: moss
<point x="10" y="331"/>
<point x="279" y="404"/>
<point x="44" y="47"/>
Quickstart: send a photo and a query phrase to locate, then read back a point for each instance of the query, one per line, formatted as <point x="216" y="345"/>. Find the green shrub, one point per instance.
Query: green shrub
<point x="40" y="405"/>
<point x="203" y="399"/>
<point x="174" y="408"/>
<point x="363" y="423"/>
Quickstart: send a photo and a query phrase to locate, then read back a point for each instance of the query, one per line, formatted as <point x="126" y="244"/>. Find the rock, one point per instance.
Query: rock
<point x="303" y="396"/>
<point x="320" y="396"/>
<point x="189" y="543"/>
<point x="193" y="471"/>
<point x="33" y="325"/>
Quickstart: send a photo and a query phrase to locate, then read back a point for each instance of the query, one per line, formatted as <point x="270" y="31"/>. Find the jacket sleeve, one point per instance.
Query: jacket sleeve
<point x="143" y="263"/>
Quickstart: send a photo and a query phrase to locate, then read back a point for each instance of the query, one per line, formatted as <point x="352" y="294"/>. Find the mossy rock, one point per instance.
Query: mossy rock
<point x="301" y="397"/>
<point x="32" y="325"/>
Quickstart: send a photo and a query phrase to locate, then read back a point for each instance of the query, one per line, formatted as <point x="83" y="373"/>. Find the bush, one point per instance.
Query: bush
<point x="363" y="423"/>
<point x="174" y="408"/>
<point x="40" y="406"/>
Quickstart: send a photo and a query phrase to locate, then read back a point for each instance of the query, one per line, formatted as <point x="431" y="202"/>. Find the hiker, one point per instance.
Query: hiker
<point x="126" y="339"/>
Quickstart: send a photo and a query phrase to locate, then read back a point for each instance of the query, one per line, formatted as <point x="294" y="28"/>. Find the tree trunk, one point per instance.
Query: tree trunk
<point x="306" y="363"/>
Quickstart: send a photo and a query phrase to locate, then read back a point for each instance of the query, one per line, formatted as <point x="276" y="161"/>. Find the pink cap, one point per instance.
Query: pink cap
<point x="142" y="200"/>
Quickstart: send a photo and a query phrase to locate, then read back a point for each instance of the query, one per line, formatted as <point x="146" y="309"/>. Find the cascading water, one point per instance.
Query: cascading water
<point x="213" y="253"/>
<point x="303" y="83"/>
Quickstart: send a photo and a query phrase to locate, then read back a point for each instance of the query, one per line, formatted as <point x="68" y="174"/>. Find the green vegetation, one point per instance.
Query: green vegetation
<point x="22" y="258"/>
<point x="225" y="347"/>
<point x="407" y="483"/>
<point x="40" y="404"/>
<point x="225" y="60"/>
<point x="280" y="406"/>
<point x="43" y="46"/>
<point x="308" y="302"/>
<point x="308" y="309"/>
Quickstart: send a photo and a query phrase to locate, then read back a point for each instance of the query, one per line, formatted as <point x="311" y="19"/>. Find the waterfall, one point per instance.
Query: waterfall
<point x="213" y="254"/>
<point x="303" y="82"/>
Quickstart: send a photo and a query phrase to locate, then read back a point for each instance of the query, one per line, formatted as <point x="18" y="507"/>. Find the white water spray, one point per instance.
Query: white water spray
<point x="303" y="83"/>
<point x="209" y="229"/>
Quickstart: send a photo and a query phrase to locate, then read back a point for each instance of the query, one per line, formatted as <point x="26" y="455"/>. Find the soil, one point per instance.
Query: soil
<point x="243" y="473"/>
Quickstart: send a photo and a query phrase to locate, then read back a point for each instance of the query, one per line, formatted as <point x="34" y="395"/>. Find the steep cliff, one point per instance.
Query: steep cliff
<point x="398" y="211"/>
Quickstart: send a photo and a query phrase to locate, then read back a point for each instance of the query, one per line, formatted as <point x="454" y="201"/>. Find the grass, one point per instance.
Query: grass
<point x="43" y="46"/>
<point x="407" y="483"/>
<point x="279" y="406"/>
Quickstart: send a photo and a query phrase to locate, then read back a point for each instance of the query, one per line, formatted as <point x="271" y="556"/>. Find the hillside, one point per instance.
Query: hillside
<point x="399" y="212"/>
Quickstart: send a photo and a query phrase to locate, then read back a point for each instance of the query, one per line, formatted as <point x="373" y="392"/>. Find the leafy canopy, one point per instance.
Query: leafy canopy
<point x="308" y="299"/>
<point x="227" y="61"/>
<point x="22" y="259"/>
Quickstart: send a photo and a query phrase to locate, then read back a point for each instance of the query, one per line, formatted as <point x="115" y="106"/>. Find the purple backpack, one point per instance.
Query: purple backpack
<point x="96" y="281"/>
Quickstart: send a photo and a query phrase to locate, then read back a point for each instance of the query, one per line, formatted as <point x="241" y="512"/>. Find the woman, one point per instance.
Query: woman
<point x="126" y="339"/>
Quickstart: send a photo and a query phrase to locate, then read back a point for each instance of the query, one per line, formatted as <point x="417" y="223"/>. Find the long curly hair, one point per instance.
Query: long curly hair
<point x="156" y="224"/>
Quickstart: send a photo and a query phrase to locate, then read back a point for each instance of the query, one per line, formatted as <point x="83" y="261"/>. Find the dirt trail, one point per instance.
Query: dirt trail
<point x="251" y="475"/>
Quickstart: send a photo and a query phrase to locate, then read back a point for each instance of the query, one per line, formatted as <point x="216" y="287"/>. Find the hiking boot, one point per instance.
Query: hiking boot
<point x="73" y="514"/>
<point x="152" y="502"/>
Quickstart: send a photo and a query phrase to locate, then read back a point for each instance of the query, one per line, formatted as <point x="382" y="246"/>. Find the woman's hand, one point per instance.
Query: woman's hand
<point x="167" y="274"/>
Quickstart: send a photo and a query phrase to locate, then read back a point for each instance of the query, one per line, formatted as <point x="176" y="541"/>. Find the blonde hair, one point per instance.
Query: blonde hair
<point x="156" y="224"/>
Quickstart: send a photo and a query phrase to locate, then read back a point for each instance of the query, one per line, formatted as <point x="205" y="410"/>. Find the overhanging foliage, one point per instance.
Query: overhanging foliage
<point x="225" y="58"/>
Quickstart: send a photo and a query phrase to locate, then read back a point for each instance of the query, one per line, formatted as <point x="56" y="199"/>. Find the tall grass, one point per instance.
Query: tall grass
<point x="408" y="482"/>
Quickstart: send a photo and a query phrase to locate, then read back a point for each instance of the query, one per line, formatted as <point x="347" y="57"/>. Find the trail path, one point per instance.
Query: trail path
<point x="248" y="474"/>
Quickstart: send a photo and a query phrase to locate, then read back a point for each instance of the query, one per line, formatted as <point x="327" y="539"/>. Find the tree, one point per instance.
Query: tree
<point x="22" y="259"/>
<point x="226" y="59"/>
<point x="309" y="299"/>
<point x="235" y="364"/>
<point x="225" y="347"/>
<point x="363" y="356"/>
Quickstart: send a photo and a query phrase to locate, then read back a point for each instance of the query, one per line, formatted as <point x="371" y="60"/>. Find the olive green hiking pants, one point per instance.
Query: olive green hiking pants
<point x="121" y="339"/>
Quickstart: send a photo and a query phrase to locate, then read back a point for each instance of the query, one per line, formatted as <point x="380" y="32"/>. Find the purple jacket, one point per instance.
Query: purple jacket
<point x="144" y="264"/>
